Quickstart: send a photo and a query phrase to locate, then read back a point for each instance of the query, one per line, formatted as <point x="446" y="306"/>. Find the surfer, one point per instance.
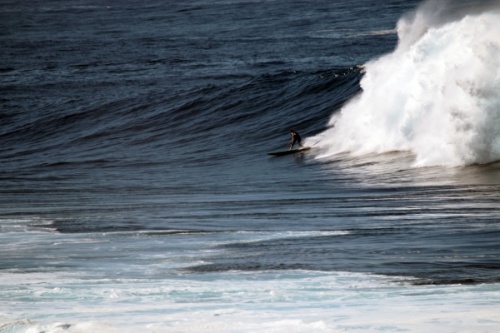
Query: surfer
<point x="295" y="139"/>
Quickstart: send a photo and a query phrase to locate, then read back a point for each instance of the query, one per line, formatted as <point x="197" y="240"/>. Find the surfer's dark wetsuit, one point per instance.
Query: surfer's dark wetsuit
<point x="295" y="139"/>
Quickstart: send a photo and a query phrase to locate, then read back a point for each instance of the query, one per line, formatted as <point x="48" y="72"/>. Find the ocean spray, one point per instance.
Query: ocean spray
<point x="437" y="95"/>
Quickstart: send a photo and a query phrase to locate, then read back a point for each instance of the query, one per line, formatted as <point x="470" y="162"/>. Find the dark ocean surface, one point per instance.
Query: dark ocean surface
<point x="136" y="193"/>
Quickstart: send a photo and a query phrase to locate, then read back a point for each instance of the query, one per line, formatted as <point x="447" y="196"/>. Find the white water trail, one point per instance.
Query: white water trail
<point x="437" y="95"/>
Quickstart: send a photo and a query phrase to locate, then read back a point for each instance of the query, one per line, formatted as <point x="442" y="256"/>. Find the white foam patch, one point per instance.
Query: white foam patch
<point x="27" y="326"/>
<point x="437" y="95"/>
<point x="289" y="301"/>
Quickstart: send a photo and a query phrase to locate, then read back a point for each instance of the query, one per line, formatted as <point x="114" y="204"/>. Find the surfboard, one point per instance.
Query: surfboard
<point x="288" y="152"/>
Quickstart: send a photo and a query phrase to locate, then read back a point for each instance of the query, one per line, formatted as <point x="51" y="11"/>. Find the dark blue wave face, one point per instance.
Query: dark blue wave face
<point x="121" y="115"/>
<point x="74" y="71"/>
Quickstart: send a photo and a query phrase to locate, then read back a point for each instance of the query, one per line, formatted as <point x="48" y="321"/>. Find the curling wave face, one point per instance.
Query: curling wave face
<point x="437" y="95"/>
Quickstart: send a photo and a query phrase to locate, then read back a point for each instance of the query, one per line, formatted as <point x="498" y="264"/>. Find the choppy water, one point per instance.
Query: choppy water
<point x="136" y="194"/>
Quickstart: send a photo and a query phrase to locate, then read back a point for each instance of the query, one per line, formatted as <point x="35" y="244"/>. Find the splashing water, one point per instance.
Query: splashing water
<point x="437" y="95"/>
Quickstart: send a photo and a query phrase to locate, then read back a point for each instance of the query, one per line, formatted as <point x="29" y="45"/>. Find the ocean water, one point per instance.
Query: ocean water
<point x="136" y="193"/>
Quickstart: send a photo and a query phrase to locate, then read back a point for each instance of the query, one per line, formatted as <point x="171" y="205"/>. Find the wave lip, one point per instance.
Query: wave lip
<point x="437" y="95"/>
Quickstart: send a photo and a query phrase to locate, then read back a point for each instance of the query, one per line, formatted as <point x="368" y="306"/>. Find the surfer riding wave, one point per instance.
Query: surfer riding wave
<point x="295" y="139"/>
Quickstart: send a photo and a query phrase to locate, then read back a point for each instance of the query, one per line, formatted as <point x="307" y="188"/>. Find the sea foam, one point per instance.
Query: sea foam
<point x="436" y="95"/>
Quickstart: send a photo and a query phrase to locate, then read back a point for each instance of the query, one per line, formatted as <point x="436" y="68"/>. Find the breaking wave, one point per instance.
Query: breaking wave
<point x="436" y="95"/>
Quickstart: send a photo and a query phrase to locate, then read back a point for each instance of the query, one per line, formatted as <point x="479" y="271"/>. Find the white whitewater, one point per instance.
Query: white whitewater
<point x="437" y="95"/>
